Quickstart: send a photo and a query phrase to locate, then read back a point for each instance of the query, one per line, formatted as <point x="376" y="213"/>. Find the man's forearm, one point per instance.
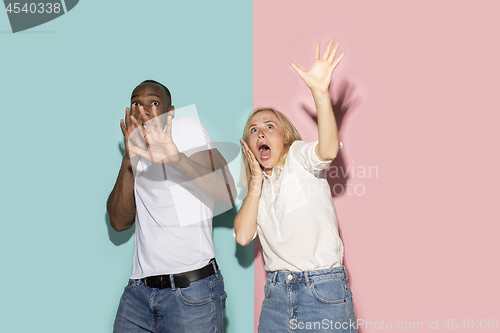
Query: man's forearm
<point x="121" y="201"/>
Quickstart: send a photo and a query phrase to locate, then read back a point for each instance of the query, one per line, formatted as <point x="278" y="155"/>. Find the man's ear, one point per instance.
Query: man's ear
<point x="171" y="110"/>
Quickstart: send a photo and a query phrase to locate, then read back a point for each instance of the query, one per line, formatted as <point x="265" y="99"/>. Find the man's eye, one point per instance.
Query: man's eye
<point x="155" y="103"/>
<point x="135" y="103"/>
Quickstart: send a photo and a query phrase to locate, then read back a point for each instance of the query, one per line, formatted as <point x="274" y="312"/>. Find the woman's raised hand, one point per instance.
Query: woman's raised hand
<point x="319" y="76"/>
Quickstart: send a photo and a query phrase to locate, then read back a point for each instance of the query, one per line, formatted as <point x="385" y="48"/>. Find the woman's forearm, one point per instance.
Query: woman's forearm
<point x="245" y="223"/>
<point x="328" y="145"/>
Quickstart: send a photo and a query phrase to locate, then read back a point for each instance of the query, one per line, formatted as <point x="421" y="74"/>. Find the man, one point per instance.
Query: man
<point x="170" y="175"/>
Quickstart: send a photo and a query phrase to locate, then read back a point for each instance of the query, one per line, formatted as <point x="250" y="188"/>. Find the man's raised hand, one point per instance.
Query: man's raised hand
<point x="128" y="127"/>
<point x="150" y="141"/>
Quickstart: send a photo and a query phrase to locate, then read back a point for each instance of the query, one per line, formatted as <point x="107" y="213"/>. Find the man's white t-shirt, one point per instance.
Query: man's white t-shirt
<point x="173" y="223"/>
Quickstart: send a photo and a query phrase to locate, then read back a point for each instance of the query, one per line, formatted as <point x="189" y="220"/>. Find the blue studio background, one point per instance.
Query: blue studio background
<point x="64" y="86"/>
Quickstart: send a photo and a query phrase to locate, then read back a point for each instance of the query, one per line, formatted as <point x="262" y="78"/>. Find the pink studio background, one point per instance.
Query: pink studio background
<point x="421" y="240"/>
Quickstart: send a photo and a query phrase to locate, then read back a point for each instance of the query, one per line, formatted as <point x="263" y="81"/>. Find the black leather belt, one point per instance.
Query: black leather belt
<point x="181" y="280"/>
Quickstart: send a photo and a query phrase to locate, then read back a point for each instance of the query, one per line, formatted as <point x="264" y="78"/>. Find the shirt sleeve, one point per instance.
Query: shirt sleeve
<point x="190" y="136"/>
<point x="254" y="235"/>
<point x="304" y="154"/>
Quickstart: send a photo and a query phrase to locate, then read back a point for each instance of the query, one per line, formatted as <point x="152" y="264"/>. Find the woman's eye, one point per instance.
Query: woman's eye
<point x="155" y="103"/>
<point x="253" y="130"/>
<point x="270" y="126"/>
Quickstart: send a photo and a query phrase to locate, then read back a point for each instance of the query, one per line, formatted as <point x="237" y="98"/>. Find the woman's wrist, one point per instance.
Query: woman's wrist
<point x="255" y="186"/>
<point x="320" y="93"/>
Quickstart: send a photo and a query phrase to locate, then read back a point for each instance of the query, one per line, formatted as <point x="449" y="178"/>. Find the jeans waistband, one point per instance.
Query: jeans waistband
<point x="297" y="277"/>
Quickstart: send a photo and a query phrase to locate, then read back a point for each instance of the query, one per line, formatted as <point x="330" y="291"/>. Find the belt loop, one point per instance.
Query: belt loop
<point x="274" y="277"/>
<point x="345" y="273"/>
<point x="215" y="268"/>
<point x="172" y="282"/>
<point x="307" y="278"/>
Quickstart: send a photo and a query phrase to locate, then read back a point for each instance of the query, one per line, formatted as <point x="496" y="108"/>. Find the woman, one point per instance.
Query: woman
<point x="290" y="207"/>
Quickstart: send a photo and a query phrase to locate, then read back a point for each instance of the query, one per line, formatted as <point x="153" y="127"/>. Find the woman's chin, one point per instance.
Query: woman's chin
<point x="267" y="164"/>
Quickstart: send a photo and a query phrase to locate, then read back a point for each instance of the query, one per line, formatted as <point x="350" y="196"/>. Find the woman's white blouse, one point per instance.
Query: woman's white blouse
<point x="296" y="222"/>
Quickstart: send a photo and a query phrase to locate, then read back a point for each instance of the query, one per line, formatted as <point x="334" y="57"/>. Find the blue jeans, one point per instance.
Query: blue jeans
<point x="198" y="308"/>
<point x="316" y="301"/>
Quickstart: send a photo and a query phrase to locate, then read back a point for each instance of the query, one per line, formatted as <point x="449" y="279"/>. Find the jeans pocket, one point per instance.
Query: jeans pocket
<point x="223" y="298"/>
<point x="197" y="293"/>
<point x="223" y="301"/>
<point x="329" y="291"/>
<point x="216" y="282"/>
<point x="267" y="289"/>
<point x="131" y="284"/>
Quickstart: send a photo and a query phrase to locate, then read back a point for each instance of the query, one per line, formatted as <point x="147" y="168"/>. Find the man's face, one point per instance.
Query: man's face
<point x="148" y="95"/>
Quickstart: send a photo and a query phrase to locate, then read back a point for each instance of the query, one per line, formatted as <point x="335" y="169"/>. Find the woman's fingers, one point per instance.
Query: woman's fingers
<point x="247" y="151"/>
<point x="331" y="55"/>
<point x="326" y="54"/>
<point x="337" y="61"/>
<point x="297" y="69"/>
<point x="316" y="51"/>
<point x="252" y="161"/>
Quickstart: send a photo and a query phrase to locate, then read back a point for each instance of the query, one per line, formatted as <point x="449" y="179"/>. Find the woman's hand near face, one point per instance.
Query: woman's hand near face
<point x="245" y="222"/>
<point x="254" y="165"/>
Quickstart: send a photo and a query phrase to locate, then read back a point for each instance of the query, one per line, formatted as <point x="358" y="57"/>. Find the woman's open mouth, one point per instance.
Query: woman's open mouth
<point x="265" y="152"/>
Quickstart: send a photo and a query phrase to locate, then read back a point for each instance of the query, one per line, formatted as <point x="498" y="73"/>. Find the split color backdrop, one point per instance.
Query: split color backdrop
<point x="415" y="186"/>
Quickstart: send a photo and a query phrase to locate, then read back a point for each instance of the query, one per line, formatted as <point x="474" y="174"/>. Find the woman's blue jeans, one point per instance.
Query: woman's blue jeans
<point x="198" y="308"/>
<point x="315" y="301"/>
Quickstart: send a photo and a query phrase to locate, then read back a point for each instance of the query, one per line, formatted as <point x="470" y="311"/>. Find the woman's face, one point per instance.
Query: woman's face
<point x="266" y="139"/>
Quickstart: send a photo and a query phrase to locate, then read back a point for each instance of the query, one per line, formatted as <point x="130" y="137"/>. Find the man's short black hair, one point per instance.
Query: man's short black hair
<point x="165" y="88"/>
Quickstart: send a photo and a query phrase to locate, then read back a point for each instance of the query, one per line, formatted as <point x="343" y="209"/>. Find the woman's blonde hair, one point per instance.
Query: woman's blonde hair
<point x="291" y="134"/>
